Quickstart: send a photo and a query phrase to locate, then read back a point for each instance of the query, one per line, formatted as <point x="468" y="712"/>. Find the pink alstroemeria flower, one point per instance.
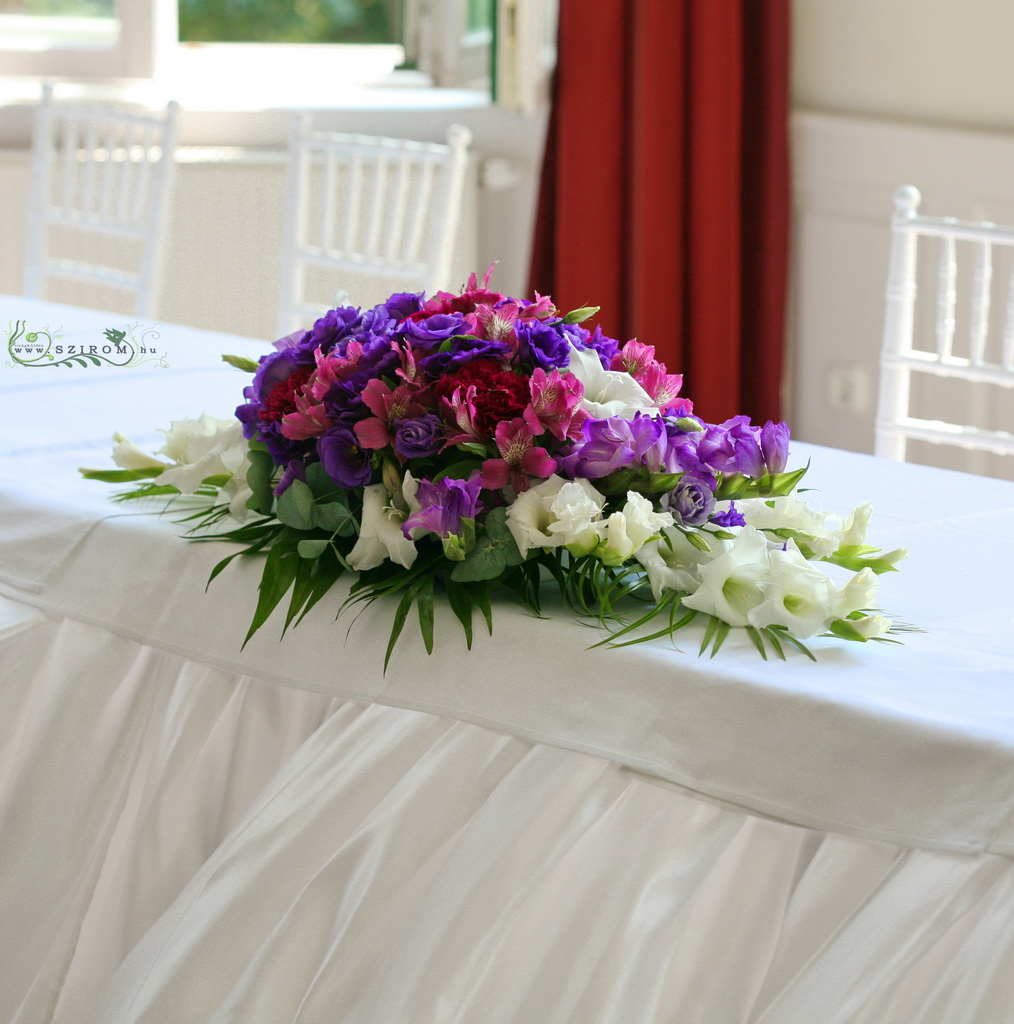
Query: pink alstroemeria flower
<point x="555" y="400"/>
<point x="663" y="387"/>
<point x="519" y="460"/>
<point x="460" y="410"/>
<point x="634" y="358"/>
<point x="387" y="406"/>
<point x="309" y="420"/>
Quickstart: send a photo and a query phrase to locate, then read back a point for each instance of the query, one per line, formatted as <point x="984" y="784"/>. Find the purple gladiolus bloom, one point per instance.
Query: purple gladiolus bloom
<point x="617" y="443"/>
<point x="295" y="470"/>
<point x="442" y="505"/>
<point x="345" y="460"/>
<point x="732" y="447"/>
<point x="691" y="501"/>
<point x="544" y="345"/>
<point x="774" y="442"/>
<point x="730" y="517"/>
<point x="418" y="437"/>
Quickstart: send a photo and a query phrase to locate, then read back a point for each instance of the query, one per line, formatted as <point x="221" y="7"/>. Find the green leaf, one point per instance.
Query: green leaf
<point x="492" y="553"/>
<point x="424" y="605"/>
<point x="335" y="517"/>
<point x="758" y="641"/>
<point x="312" y="548"/>
<point x="121" y="476"/>
<point x="397" y="625"/>
<point x="242" y="363"/>
<point x="459" y="597"/>
<point x="296" y="507"/>
<point x="260" y="478"/>
<point x="460" y="470"/>
<point x="321" y="484"/>
<point x="576" y="316"/>
<point x="474" y="447"/>
<point x="279" y="573"/>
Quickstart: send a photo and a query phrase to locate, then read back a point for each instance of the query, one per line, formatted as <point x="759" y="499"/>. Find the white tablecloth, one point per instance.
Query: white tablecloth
<point x="531" y="831"/>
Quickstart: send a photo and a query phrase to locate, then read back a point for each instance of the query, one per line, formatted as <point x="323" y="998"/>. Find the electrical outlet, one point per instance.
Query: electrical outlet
<point x="849" y="388"/>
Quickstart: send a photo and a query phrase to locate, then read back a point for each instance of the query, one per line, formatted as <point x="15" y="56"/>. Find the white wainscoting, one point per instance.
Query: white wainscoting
<point x="845" y="173"/>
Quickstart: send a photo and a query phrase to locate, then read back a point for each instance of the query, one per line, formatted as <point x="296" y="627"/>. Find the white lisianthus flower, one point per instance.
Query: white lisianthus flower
<point x="797" y="595"/>
<point x="608" y="392"/>
<point x="577" y="509"/>
<point x="554" y="513"/>
<point x="822" y="533"/>
<point x="674" y="564"/>
<point x="201" y="448"/>
<point x="732" y="582"/>
<point x="380" y="535"/>
<point x="627" y="531"/>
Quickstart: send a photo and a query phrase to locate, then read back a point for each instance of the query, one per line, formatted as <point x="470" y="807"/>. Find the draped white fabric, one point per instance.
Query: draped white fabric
<point x="184" y="844"/>
<point x="532" y="832"/>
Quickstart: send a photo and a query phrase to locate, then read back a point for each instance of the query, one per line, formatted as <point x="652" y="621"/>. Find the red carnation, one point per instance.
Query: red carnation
<point x="282" y="399"/>
<point x="499" y="394"/>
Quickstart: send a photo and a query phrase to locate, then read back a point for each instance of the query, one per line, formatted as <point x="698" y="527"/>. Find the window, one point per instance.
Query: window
<point x="267" y="53"/>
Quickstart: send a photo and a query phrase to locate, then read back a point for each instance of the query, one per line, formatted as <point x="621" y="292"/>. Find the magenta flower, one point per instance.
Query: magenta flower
<point x="555" y="400"/>
<point x="519" y="458"/>
<point x="634" y="358"/>
<point x="663" y="387"/>
<point x="309" y="420"/>
<point x="461" y="411"/>
<point x="388" y="406"/>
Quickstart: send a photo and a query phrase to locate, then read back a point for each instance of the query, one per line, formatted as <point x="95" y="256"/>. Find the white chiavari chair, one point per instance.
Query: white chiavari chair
<point x="365" y="208"/>
<point x="970" y="345"/>
<point x="101" y="183"/>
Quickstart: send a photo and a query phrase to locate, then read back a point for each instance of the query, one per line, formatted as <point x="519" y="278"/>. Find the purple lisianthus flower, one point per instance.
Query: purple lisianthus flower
<point x="617" y="443"/>
<point x="331" y="328"/>
<point x="418" y="437"/>
<point x="604" y="346"/>
<point x="463" y="350"/>
<point x="262" y="412"/>
<point x="428" y="333"/>
<point x="730" y="517"/>
<point x="691" y="501"/>
<point x="442" y="506"/>
<point x="736" y="446"/>
<point x="543" y="345"/>
<point x="403" y="304"/>
<point x="345" y="460"/>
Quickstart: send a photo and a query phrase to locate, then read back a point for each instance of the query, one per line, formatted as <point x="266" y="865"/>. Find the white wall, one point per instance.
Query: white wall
<point x="886" y="92"/>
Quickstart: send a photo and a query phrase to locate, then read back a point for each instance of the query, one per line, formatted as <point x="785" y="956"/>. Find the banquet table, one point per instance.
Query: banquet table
<point x="530" y="832"/>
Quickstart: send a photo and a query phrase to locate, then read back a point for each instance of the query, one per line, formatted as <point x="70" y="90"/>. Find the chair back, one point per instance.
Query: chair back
<point x="970" y="345"/>
<point x="363" y="209"/>
<point x="101" y="181"/>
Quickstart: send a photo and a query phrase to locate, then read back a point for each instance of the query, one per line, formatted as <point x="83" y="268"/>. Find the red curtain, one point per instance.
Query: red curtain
<point x="665" y="189"/>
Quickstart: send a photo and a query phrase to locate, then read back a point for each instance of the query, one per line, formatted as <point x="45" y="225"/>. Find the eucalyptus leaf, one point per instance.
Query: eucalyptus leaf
<point x="296" y="506"/>
<point x="312" y="548"/>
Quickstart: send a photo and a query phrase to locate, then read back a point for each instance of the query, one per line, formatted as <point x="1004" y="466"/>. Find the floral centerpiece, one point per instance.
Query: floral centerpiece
<point x="441" y="446"/>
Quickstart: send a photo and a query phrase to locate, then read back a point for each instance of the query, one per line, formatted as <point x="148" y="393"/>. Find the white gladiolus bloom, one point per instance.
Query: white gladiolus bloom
<point x="732" y="582"/>
<point x="127" y="455"/>
<point x="608" y="392"/>
<point x="871" y="625"/>
<point x="675" y="564"/>
<point x="859" y="592"/>
<point x="797" y="595"/>
<point x="554" y="513"/>
<point x="854" y="533"/>
<point x="821" y="532"/>
<point x="380" y="535"/>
